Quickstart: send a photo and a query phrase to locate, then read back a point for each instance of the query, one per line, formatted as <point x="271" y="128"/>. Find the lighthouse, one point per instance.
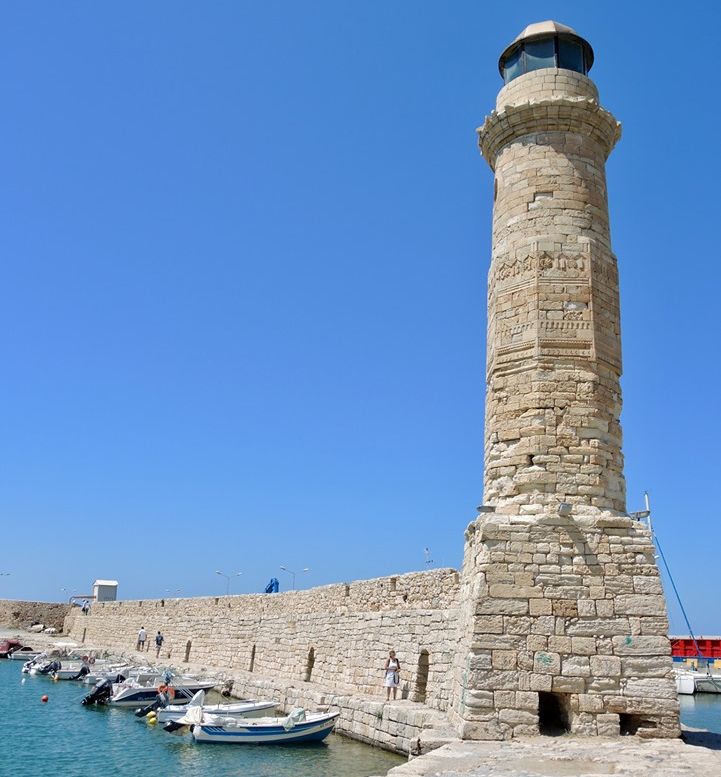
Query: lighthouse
<point x="563" y="621"/>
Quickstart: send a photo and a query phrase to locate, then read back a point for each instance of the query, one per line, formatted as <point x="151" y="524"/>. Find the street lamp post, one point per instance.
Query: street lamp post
<point x="227" y="578"/>
<point x="292" y="574"/>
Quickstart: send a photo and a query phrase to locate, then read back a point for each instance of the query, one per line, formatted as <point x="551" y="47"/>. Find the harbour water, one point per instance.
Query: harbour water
<point x="702" y="710"/>
<point x="62" y="737"/>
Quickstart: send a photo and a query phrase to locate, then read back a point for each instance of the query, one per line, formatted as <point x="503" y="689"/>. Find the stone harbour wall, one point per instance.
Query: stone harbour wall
<point x="336" y="636"/>
<point x="21" y="614"/>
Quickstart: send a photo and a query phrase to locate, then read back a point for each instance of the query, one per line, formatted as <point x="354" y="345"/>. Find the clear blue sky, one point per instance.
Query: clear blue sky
<point x="245" y="249"/>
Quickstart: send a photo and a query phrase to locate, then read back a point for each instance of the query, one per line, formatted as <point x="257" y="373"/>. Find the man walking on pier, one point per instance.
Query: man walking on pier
<point x="141" y="639"/>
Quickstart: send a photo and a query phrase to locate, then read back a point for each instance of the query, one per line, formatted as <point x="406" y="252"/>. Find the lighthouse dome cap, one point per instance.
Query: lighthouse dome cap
<point x="547" y="29"/>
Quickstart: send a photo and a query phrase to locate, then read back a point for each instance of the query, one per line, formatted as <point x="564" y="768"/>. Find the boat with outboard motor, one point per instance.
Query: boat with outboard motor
<point x="297" y="727"/>
<point x="129" y="692"/>
<point x="245" y="708"/>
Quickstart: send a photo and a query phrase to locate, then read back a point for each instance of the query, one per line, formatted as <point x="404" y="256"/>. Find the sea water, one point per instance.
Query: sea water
<point x="702" y="710"/>
<point x="61" y="737"/>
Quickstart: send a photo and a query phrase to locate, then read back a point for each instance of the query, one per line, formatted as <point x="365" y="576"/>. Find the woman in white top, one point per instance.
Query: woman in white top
<point x="393" y="680"/>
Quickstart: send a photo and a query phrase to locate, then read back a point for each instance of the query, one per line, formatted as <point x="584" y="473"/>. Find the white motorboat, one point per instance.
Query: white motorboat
<point x="297" y="727"/>
<point x="248" y="708"/>
<point x="131" y="693"/>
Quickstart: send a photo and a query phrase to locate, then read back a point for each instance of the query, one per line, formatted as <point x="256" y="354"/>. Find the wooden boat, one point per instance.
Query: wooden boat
<point x="297" y="727"/>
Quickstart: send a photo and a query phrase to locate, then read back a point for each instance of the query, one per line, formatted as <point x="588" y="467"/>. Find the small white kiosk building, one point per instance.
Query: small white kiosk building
<point x="105" y="590"/>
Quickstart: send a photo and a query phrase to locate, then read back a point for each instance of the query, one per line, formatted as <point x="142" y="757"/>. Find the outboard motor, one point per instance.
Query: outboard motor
<point x="102" y="692"/>
<point x="51" y="668"/>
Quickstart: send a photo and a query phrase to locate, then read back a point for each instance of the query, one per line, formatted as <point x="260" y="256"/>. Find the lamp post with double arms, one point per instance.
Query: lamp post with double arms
<point x="227" y="578"/>
<point x="292" y="574"/>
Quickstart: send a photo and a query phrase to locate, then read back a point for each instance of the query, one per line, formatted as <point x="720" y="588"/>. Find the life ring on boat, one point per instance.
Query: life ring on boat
<point x="162" y="688"/>
<point x="171" y="692"/>
<point x="85" y="659"/>
<point x="91" y="660"/>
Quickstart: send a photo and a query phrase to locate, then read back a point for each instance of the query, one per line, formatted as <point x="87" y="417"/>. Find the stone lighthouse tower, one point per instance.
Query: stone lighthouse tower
<point x="563" y="623"/>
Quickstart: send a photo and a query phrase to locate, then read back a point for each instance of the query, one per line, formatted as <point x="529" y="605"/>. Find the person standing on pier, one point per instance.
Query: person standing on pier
<point x="158" y="643"/>
<point x="141" y="639"/>
<point x="392" y="670"/>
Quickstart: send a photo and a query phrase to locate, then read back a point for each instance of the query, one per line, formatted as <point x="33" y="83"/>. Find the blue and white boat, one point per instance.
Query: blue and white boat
<point x="134" y="694"/>
<point x="297" y="727"/>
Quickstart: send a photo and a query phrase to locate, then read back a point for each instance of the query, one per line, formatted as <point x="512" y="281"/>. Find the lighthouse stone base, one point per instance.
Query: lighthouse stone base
<point x="564" y="629"/>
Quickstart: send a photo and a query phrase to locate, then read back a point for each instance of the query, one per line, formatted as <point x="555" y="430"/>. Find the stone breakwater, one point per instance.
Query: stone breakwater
<point x="319" y="647"/>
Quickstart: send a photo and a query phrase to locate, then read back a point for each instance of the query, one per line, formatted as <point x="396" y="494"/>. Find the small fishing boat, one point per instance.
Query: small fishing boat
<point x="24" y="653"/>
<point x="247" y="708"/>
<point x="297" y="727"/>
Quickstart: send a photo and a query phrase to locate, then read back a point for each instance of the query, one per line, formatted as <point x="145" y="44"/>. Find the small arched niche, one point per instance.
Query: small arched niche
<point x="421" y="686"/>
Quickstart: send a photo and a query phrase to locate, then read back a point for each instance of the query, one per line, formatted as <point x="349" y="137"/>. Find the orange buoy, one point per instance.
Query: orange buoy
<point x="43" y="698"/>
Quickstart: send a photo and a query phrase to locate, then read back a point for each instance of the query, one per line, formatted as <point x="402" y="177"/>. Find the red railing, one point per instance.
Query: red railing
<point x="685" y="647"/>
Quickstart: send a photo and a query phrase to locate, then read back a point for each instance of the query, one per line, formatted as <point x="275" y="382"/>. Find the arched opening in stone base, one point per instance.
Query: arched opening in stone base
<point x="420" y="689"/>
<point x="630" y="724"/>
<point x="309" y="665"/>
<point x="554" y="717"/>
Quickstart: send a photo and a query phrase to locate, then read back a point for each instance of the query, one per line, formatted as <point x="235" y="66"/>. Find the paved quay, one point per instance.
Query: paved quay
<point x="699" y="756"/>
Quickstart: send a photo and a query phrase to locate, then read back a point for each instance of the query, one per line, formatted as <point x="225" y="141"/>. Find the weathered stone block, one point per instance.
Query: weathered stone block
<point x="502" y="607"/>
<point x="568" y="684"/>
<point x="575" y="666"/>
<point x="504" y="659"/>
<point x="547" y="663"/>
<point x="640" y="645"/>
<point x="639" y="604"/>
<point x="605" y="666"/>
<point x="583" y="646"/>
<point x="540" y="607"/>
